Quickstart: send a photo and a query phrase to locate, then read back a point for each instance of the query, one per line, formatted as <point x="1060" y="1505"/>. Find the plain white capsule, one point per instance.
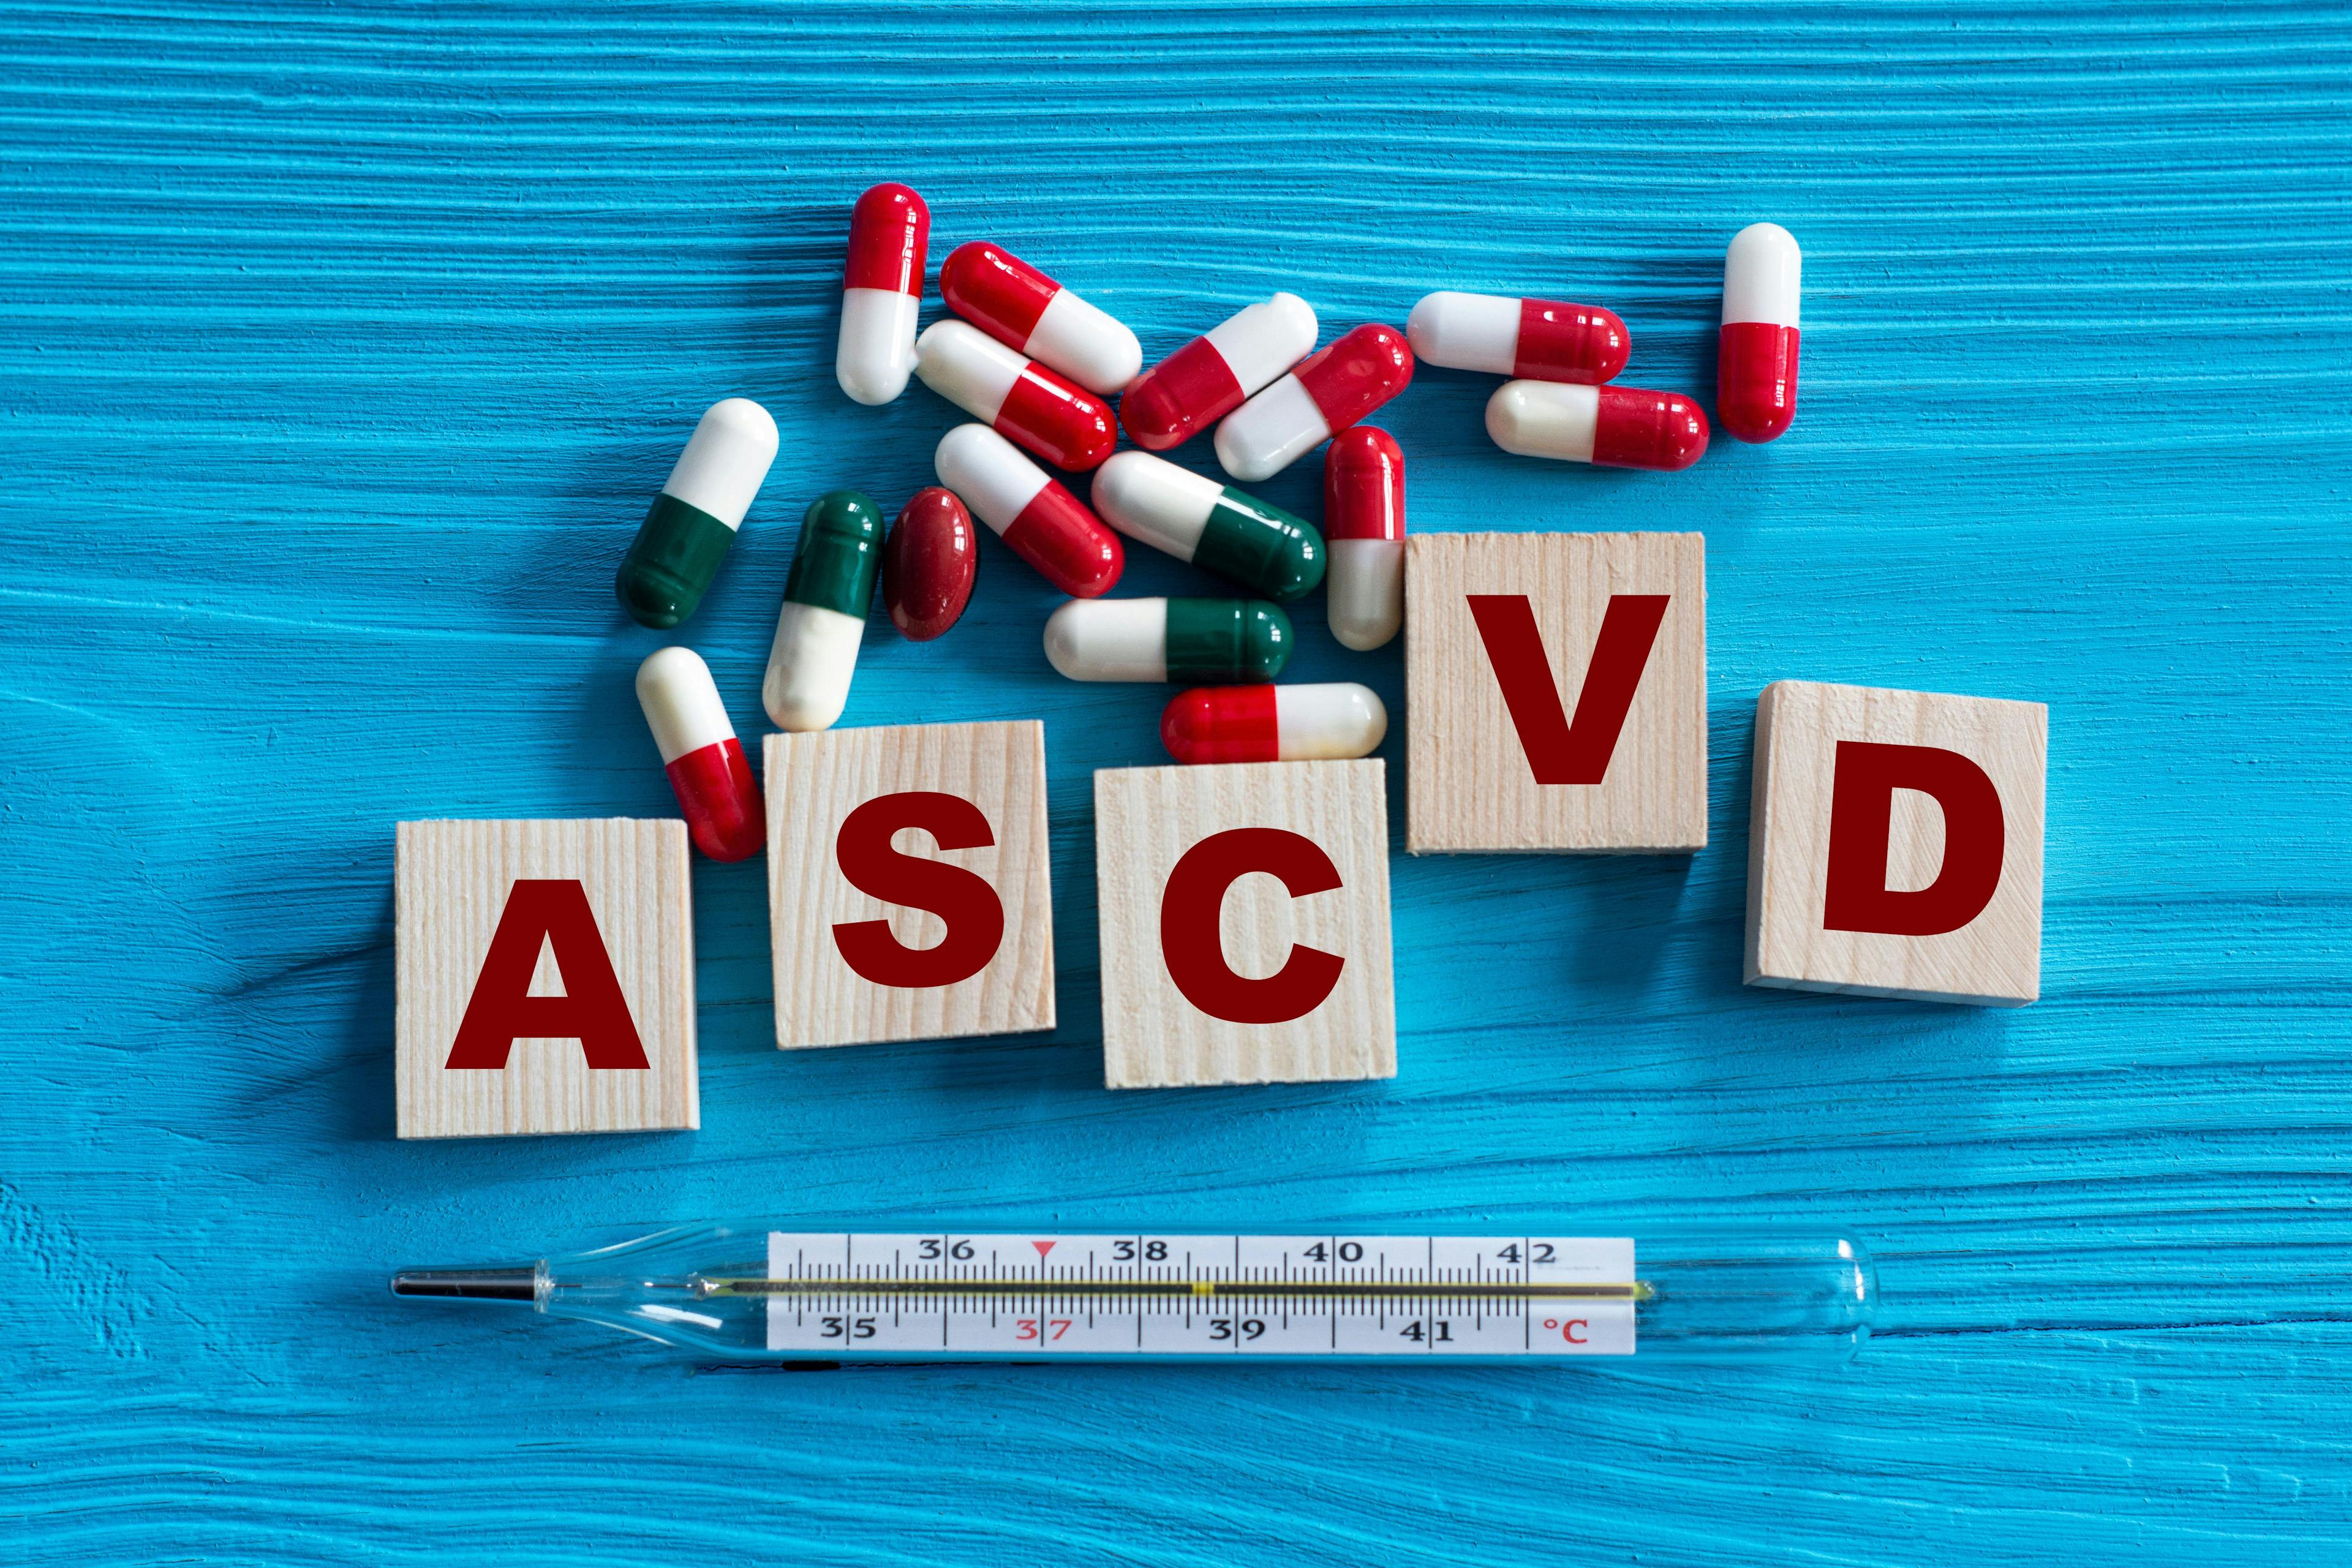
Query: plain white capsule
<point x="1762" y="276"/>
<point x="1154" y="503"/>
<point x="1364" y="591"/>
<point x="1086" y="343"/>
<point x="989" y="473"/>
<point x="968" y="367"/>
<point x="1545" y="419"/>
<point x="1270" y="432"/>
<point x="725" y="461"/>
<point x="1465" y="332"/>
<point x="1329" y="722"/>
<point x="681" y="703"/>
<point x="1109" y="639"/>
<point x="810" y="666"/>
<point x="876" y="352"/>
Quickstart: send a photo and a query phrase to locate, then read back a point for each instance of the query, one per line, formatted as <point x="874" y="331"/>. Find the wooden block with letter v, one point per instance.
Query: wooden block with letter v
<point x="545" y="977"/>
<point x="1556" y="693"/>
<point x="908" y="894"/>
<point x="1894" y="844"/>
<point x="1245" y="922"/>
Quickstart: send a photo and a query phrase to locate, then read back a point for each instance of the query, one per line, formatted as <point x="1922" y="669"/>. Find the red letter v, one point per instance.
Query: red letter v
<point x="1560" y="752"/>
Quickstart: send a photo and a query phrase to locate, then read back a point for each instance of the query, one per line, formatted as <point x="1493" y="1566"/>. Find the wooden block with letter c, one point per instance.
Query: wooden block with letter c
<point x="1894" y="844"/>
<point x="1245" y="923"/>
<point x="908" y="894"/>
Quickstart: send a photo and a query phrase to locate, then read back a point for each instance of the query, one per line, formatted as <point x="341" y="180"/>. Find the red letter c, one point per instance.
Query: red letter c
<point x="1189" y="940"/>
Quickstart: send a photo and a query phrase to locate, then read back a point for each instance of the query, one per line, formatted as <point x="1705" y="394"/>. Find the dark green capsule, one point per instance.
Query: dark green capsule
<point x="671" y="562"/>
<point x="839" y="552"/>
<point x="1261" y="546"/>
<point x="1226" y="642"/>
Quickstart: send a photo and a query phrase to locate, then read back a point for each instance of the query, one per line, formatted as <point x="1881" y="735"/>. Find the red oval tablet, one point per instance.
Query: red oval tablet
<point x="928" y="564"/>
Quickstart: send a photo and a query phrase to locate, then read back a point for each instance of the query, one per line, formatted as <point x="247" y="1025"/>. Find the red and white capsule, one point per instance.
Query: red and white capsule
<point x="1015" y="303"/>
<point x="1613" y="426"/>
<point x="1039" y="520"/>
<point x="1538" y="340"/>
<point x="1331" y="389"/>
<point x="1014" y="395"/>
<point x="708" y="770"/>
<point x="1274" y="723"/>
<point x="1755" y="358"/>
<point x="882" y="292"/>
<point x="1363" y="524"/>
<point x="1215" y="373"/>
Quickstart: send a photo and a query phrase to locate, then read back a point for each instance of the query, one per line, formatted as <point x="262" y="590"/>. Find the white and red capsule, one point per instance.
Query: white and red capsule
<point x="1537" y="340"/>
<point x="881" y="293"/>
<point x="708" y="770"/>
<point x="1363" y="525"/>
<point x="1613" y="426"/>
<point x="1217" y="372"/>
<point x="1039" y="520"/>
<point x="1755" y="358"/>
<point x="1014" y="395"/>
<point x="1274" y="723"/>
<point x="1016" y="304"/>
<point x="1332" y="388"/>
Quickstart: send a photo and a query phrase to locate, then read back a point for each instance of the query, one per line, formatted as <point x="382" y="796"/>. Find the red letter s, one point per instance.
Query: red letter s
<point x="1191" y="943"/>
<point x="1862" y="809"/>
<point x="963" y="898"/>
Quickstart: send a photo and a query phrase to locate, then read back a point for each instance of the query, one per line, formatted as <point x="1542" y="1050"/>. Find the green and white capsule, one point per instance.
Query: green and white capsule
<point x="1216" y="527"/>
<point x="1219" y="641"/>
<point x="684" y="536"/>
<point x="823" y="615"/>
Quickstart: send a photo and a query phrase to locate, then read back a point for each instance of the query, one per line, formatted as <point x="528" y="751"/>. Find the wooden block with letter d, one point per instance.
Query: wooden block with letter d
<point x="1894" y="844"/>
<point x="908" y="894"/>
<point x="1556" y="689"/>
<point x="1245" y="922"/>
<point x="545" y="977"/>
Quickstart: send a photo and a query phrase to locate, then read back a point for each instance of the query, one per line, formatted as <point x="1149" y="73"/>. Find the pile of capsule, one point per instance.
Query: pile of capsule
<point x="1034" y="366"/>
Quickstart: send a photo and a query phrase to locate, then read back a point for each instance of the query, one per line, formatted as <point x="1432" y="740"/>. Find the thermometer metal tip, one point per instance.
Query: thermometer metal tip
<point x="520" y="1284"/>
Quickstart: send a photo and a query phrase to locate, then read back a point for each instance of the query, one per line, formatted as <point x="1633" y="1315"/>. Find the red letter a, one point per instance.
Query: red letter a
<point x="591" y="1009"/>
<point x="1560" y="752"/>
<point x="1862" y="811"/>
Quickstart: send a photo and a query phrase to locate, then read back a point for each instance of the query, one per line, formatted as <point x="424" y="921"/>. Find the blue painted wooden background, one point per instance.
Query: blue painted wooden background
<point x="340" y="347"/>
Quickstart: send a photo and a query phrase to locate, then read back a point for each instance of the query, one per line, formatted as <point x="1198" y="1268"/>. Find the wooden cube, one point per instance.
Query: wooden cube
<point x="1894" y="844"/>
<point x="1556" y="689"/>
<point x="1244" y="922"/>
<point x="908" y="892"/>
<point x="545" y="978"/>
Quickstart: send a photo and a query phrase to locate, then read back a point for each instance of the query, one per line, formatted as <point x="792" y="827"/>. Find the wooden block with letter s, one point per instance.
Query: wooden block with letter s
<point x="1556" y="687"/>
<point x="908" y="892"/>
<point x="1894" y="844"/>
<point x="545" y="977"/>
<point x="1245" y="923"/>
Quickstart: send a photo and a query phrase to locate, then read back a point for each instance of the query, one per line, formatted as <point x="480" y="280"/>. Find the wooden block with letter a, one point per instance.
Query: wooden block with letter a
<point x="545" y="977"/>
<point x="908" y="894"/>
<point x="1894" y="844"/>
<point x="1244" y="921"/>
<point x="1556" y="685"/>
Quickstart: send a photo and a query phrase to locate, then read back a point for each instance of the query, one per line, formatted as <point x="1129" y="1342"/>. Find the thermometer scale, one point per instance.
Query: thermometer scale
<point x="802" y="1296"/>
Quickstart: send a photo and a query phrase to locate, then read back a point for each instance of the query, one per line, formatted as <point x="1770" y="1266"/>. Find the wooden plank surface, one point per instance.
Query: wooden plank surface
<point x="341" y="348"/>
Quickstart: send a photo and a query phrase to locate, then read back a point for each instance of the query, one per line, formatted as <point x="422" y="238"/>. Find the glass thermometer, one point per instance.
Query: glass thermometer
<point x="793" y="1295"/>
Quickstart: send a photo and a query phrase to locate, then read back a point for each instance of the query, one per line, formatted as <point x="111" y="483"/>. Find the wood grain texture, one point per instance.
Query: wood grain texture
<point x="452" y="884"/>
<point x="341" y="348"/>
<point x="1995" y="957"/>
<point x="1472" y="786"/>
<point x="814" y="782"/>
<point x="1158" y="1034"/>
